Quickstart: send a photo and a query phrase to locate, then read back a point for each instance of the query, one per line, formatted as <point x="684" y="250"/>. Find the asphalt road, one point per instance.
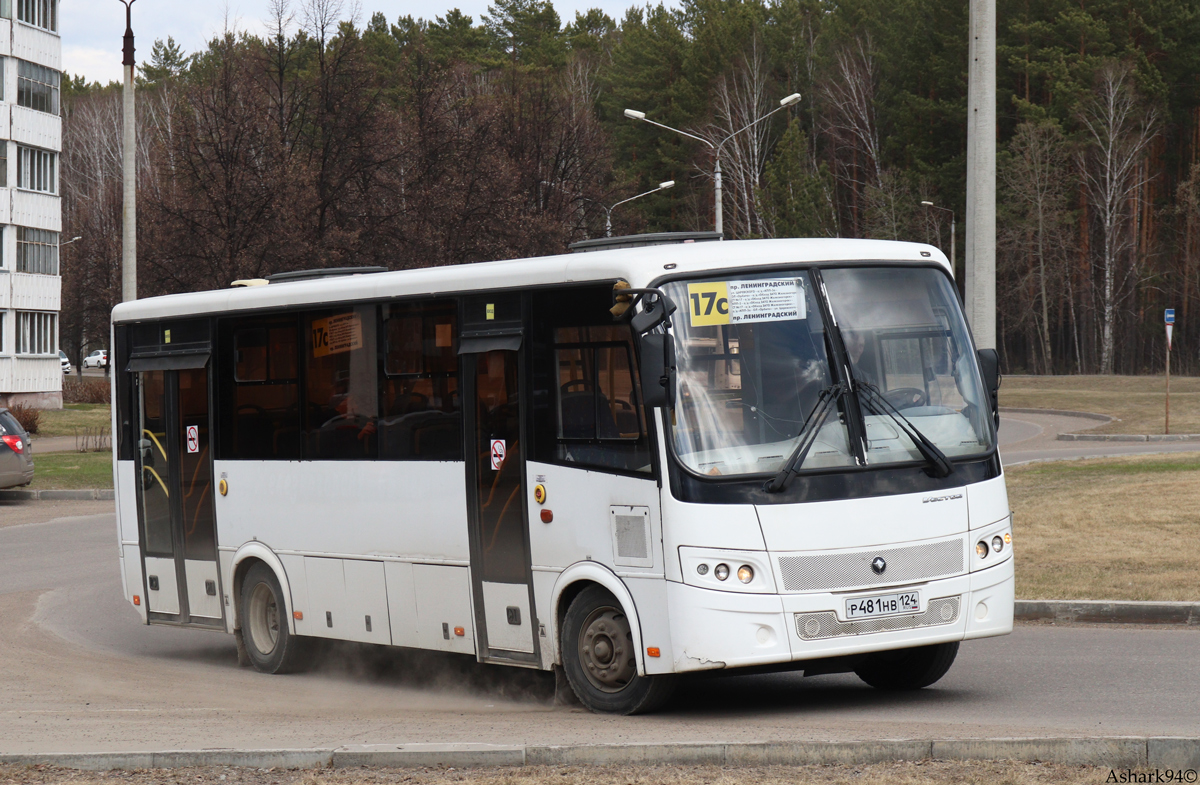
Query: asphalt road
<point x="1033" y="437"/>
<point x="78" y="672"/>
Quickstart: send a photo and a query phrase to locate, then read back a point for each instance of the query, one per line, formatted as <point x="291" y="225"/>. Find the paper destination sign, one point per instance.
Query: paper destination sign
<point x="337" y="334"/>
<point x="740" y="302"/>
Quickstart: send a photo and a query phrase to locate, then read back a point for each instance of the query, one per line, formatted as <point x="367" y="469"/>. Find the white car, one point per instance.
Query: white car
<point x="97" y="359"/>
<point x="64" y="362"/>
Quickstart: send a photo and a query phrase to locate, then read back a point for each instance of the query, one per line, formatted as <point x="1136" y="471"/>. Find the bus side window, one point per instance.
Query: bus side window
<point x="421" y="417"/>
<point x="598" y="417"/>
<point x="262" y="395"/>
<point x="341" y="392"/>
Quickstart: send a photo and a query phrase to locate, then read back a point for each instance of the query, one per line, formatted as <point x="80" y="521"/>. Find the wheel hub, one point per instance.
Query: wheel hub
<point x="264" y="619"/>
<point x="606" y="650"/>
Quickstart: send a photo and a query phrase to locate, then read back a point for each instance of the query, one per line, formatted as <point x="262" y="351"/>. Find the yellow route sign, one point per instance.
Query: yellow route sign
<point x="708" y="303"/>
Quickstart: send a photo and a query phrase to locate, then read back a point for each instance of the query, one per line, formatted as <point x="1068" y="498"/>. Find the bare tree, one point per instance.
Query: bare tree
<point x="849" y="121"/>
<point x="1035" y="181"/>
<point x="1118" y="128"/>
<point x="742" y="97"/>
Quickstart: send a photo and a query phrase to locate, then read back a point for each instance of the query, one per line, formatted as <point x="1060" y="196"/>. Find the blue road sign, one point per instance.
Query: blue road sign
<point x="1169" y="316"/>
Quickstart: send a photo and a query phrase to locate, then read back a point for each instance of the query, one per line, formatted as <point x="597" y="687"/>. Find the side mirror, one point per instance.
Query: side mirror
<point x="658" y="370"/>
<point x="654" y="312"/>
<point x="989" y="364"/>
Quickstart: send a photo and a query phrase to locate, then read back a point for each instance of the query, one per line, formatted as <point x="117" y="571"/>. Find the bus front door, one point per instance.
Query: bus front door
<point x="178" y="530"/>
<point x="500" y="572"/>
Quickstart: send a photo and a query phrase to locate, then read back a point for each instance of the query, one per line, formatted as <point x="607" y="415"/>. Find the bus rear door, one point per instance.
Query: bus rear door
<point x="175" y="504"/>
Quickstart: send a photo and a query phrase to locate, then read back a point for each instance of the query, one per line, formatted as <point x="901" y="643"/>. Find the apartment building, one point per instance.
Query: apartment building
<point x="30" y="205"/>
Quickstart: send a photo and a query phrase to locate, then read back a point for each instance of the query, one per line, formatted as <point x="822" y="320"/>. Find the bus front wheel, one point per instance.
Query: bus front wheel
<point x="907" y="669"/>
<point x="599" y="658"/>
<point x="269" y="644"/>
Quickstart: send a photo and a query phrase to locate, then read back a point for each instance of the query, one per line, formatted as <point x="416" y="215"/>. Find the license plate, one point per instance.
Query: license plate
<point x="885" y="605"/>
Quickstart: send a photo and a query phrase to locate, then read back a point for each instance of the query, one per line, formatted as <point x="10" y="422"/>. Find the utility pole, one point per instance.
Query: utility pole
<point x="980" y="294"/>
<point x="129" y="211"/>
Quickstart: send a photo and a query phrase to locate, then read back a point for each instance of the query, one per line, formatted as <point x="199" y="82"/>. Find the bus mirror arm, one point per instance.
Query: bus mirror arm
<point x="989" y="365"/>
<point x="658" y="370"/>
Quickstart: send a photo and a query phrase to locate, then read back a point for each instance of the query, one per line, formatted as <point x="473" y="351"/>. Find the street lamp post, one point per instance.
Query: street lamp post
<point x="718" y="212"/>
<point x="608" y="210"/>
<point x="933" y="206"/>
<point x="129" y="205"/>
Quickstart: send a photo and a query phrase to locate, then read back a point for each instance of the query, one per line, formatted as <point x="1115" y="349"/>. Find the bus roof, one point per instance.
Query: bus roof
<point x="639" y="266"/>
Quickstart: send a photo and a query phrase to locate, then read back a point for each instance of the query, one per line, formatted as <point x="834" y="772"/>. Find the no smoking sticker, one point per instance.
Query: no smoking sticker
<point x="498" y="453"/>
<point x="193" y="438"/>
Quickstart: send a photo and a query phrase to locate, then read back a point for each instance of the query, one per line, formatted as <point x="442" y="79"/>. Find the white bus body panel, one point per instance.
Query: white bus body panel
<point x="415" y="510"/>
<point x="987" y="501"/>
<point x="585" y="504"/>
<point x="863" y="523"/>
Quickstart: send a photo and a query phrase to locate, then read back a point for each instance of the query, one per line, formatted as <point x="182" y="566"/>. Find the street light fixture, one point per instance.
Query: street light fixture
<point x="719" y="222"/>
<point x="933" y="206"/>
<point x="68" y="242"/>
<point x="608" y="210"/>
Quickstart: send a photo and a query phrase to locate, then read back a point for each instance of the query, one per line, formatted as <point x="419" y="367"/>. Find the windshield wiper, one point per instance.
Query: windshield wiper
<point x="940" y="465"/>
<point x="826" y="403"/>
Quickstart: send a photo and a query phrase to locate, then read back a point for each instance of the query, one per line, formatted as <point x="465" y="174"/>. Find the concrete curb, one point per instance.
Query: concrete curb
<point x="1125" y="752"/>
<point x="1108" y="611"/>
<point x="81" y="494"/>
<point x="1129" y="437"/>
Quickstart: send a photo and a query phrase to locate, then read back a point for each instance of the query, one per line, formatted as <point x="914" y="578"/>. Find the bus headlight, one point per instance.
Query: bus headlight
<point x="721" y="571"/>
<point x="745" y="573"/>
<point x="997" y="543"/>
<point x="981" y="549"/>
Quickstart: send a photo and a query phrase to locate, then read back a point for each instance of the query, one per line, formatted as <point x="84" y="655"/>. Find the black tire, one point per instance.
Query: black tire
<point x="600" y="661"/>
<point x="907" y="669"/>
<point x="270" y="646"/>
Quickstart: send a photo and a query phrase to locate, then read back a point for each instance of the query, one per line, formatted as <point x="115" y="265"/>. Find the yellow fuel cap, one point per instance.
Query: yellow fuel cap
<point x="539" y="493"/>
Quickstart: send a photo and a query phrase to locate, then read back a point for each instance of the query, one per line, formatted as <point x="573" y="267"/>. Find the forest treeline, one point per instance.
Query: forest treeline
<point x="321" y="141"/>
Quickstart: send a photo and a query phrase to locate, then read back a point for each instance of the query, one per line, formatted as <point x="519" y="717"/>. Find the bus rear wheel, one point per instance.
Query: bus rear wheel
<point x="907" y="669"/>
<point x="600" y="660"/>
<point x="269" y="644"/>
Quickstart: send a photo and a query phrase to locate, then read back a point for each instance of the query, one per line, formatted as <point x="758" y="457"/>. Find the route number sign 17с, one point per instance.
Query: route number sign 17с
<point x="738" y="302"/>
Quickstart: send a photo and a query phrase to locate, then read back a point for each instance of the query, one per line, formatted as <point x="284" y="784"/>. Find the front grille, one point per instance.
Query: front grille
<point x="814" y="626"/>
<point x="906" y="564"/>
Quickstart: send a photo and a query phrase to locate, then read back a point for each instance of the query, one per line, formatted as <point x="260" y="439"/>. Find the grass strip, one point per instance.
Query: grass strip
<point x="69" y="470"/>
<point x="1107" y="528"/>
<point x="72" y="417"/>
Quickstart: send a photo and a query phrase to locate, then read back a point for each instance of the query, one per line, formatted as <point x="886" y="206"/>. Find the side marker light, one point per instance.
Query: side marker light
<point x="1008" y="538"/>
<point x="547" y="516"/>
<point x="459" y="631"/>
<point x="653" y="651"/>
<point x="137" y="600"/>
<point x="298" y="615"/>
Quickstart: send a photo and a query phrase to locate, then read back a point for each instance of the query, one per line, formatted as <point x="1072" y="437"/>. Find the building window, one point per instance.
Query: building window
<point x="39" y="13"/>
<point x="37" y="251"/>
<point x="6" y="9"/>
<point x="37" y="170"/>
<point x="37" y="86"/>
<point x="37" y="333"/>
<point x="3" y="163"/>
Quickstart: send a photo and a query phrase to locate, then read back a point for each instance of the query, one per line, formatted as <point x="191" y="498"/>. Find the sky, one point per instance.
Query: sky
<point x="92" y="30"/>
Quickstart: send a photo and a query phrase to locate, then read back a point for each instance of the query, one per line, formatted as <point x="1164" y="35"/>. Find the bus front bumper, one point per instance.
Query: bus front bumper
<point x="714" y="629"/>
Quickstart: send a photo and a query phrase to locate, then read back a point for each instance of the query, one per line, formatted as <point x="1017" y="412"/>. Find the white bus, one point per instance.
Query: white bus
<point x="796" y="469"/>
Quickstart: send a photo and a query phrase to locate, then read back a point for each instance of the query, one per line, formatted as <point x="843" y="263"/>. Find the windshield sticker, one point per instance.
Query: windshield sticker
<point x="739" y="302"/>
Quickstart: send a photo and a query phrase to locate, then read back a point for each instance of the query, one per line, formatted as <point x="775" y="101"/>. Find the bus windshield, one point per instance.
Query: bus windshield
<point x="754" y="356"/>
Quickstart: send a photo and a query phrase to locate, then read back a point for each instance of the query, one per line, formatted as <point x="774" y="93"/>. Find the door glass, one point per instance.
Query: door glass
<point x="155" y="464"/>
<point x="497" y="428"/>
<point x="195" y="469"/>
